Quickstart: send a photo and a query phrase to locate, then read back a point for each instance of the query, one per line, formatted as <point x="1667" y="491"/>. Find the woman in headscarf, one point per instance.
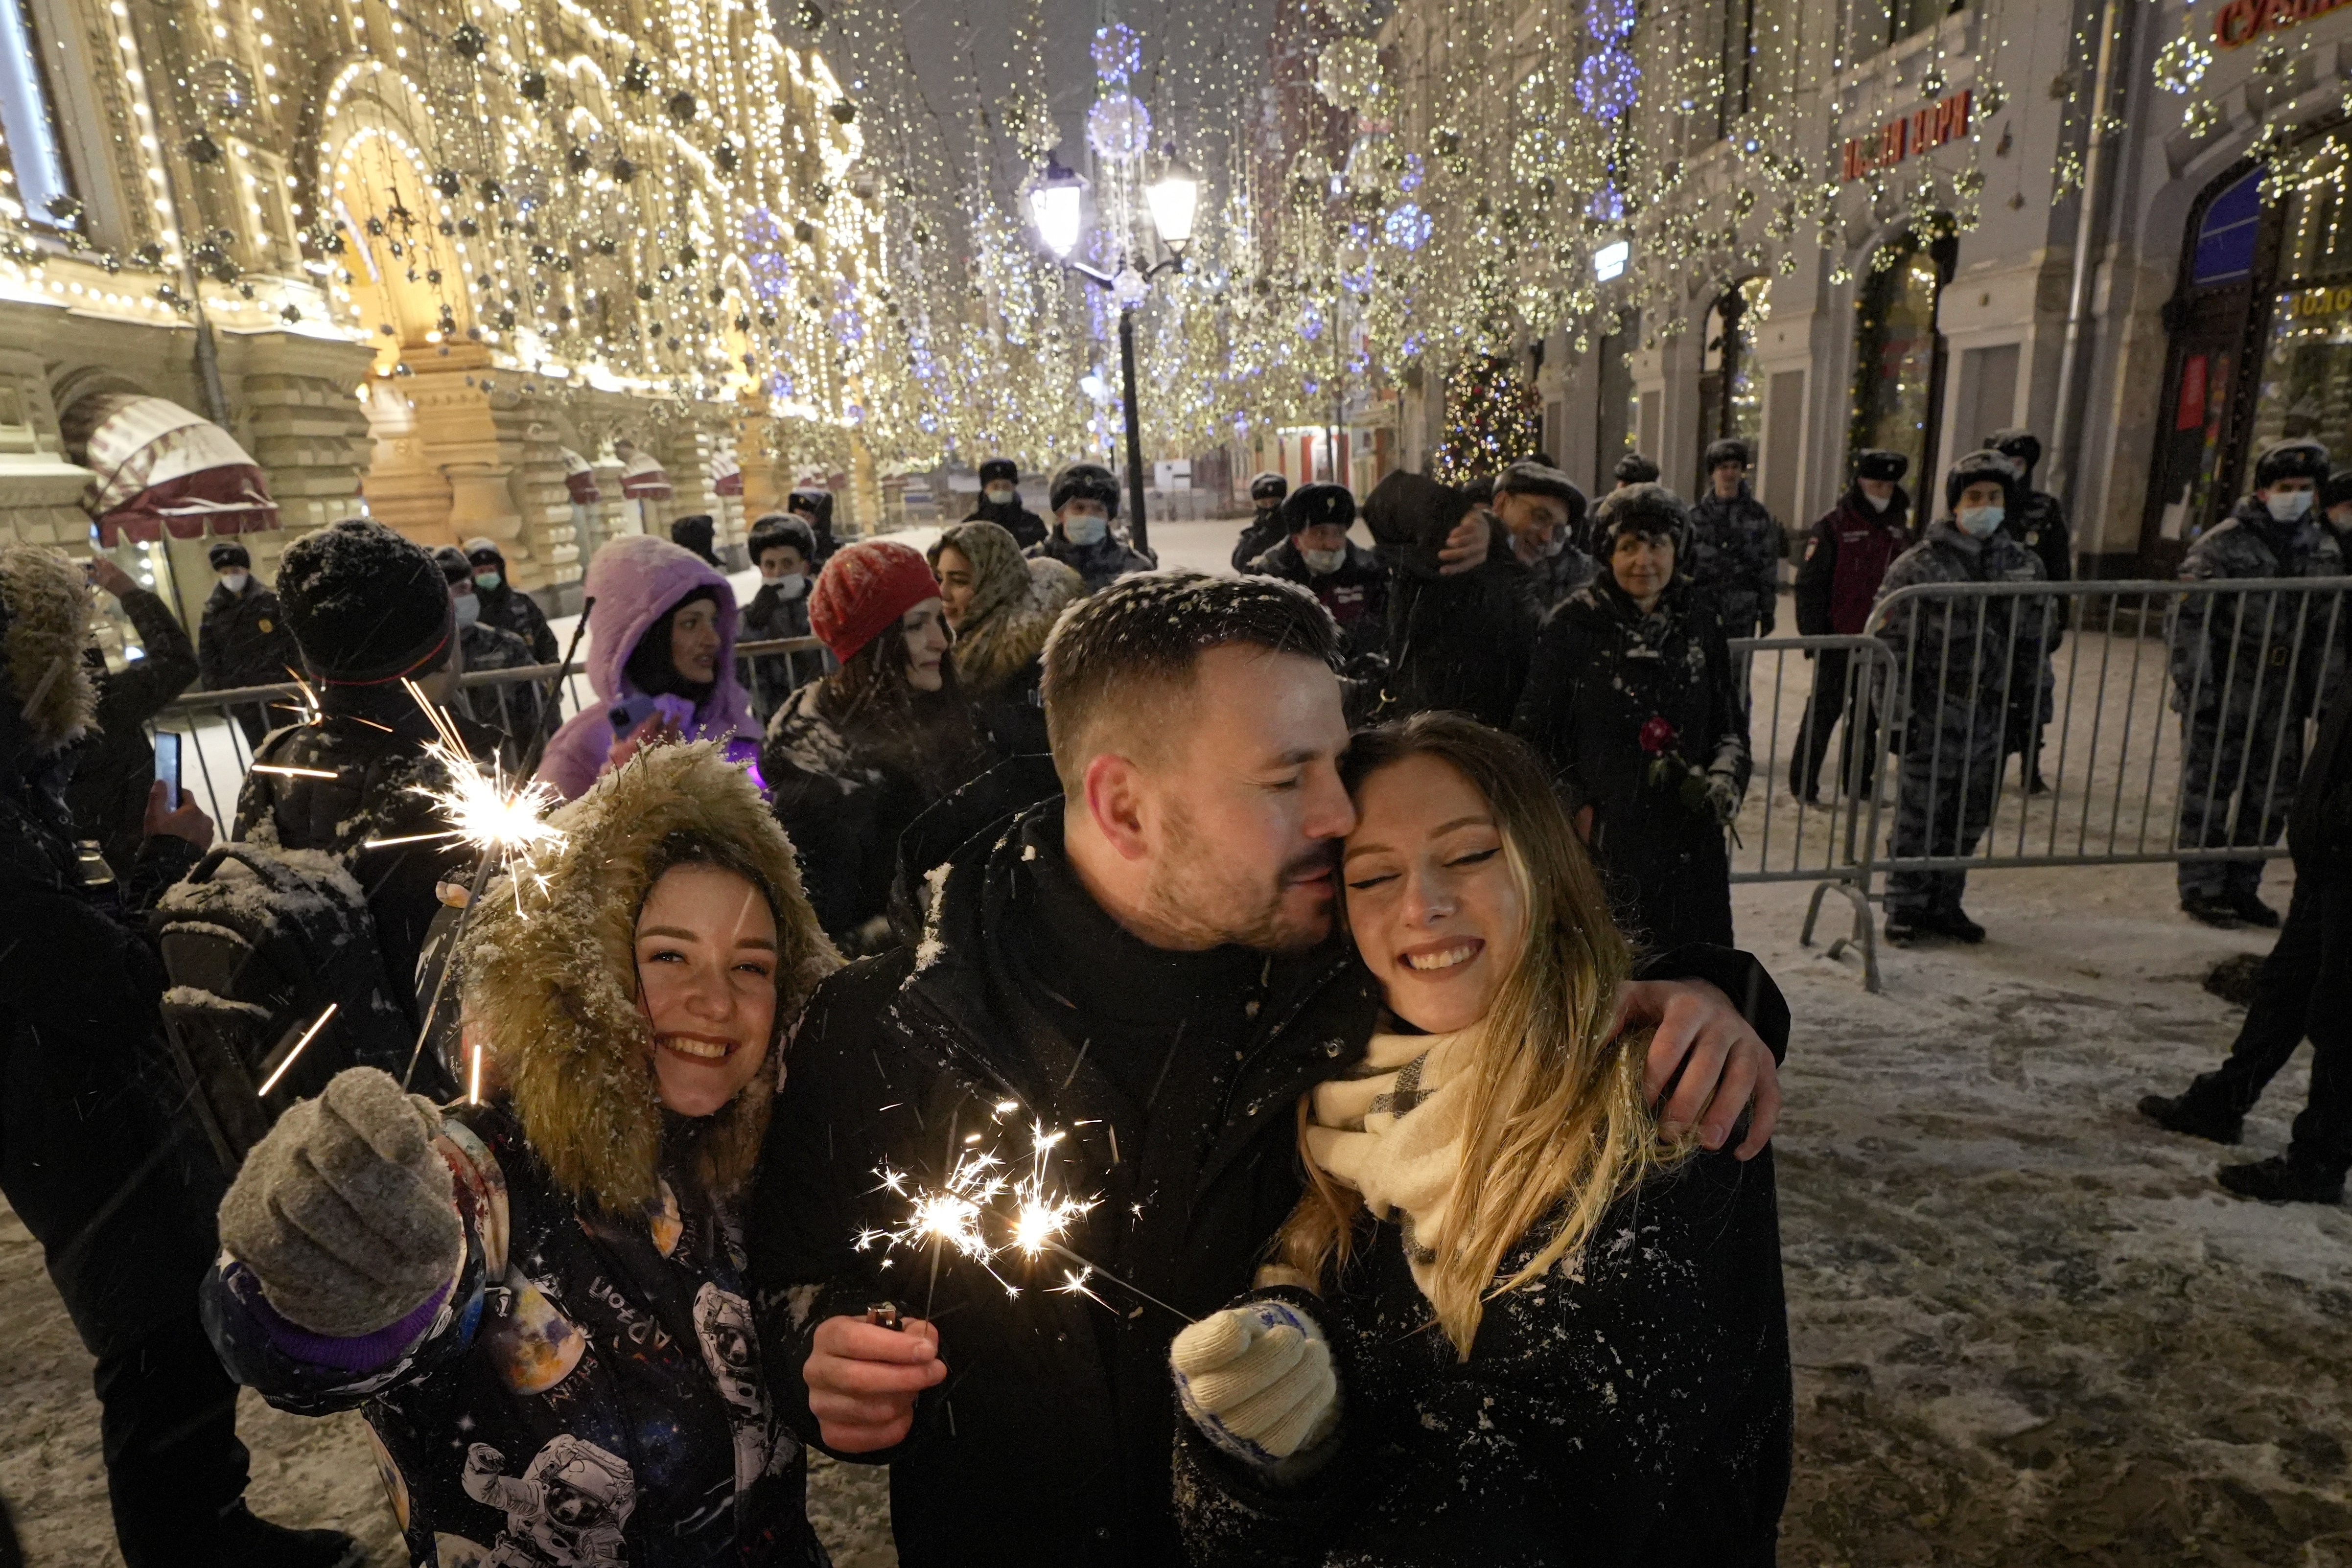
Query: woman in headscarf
<point x="851" y="760"/>
<point x="661" y="659"/>
<point x="999" y="607"/>
<point x="535" y="1297"/>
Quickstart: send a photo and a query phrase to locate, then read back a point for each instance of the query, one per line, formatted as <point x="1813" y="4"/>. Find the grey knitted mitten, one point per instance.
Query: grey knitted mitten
<point x="344" y="1212"/>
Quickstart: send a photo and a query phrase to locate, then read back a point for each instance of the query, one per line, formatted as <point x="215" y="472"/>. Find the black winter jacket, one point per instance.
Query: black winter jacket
<point x="2040" y="527"/>
<point x="1633" y="1409"/>
<point x="1460" y="643"/>
<point x="1357" y="595"/>
<point x="1604" y="672"/>
<point x="1735" y="560"/>
<point x="1175" y="1076"/>
<point x="1260" y="534"/>
<point x="243" y="639"/>
<point x="2319" y="826"/>
<point x="372" y="739"/>
<point x="1100" y="564"/>
<point x="116" y="763"/>
<point x="1026" y="526"/>
<point x="772" y="617"/>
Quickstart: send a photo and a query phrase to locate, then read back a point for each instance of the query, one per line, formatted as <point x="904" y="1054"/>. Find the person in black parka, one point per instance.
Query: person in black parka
<point x="1266" y="527"/>
<point x="92" y="1159"/>
<point x="117" y="762"/>
<point x="1000" y="503"/>
<point x="504" y="605"/>
<point x="243" y="639"/>
<point x="784" y="550"/>
<point x="1634" y="703"/>
<point x="815" y="506"/>
<point x="1319" y="556"/>
<point x="1457" y="642"/>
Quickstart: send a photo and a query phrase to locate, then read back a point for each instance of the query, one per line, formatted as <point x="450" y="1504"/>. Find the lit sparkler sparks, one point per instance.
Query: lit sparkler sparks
<point x="308" y="1036"/>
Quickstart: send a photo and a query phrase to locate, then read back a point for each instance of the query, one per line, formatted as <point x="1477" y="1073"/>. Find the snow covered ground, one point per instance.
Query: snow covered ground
<point x="2029" y="1328"/>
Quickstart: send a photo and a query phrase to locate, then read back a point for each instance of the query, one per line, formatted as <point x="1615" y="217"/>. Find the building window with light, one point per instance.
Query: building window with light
<point x="30" y="141"/>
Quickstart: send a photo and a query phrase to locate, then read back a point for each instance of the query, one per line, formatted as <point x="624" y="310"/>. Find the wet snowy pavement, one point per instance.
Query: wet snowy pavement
<point x="2029" y="1328"/>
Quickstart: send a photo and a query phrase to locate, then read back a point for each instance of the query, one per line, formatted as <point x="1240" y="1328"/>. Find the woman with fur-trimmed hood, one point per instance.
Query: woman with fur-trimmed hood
<point x="536" y="1296"/>
<point x="1001" y="606"/>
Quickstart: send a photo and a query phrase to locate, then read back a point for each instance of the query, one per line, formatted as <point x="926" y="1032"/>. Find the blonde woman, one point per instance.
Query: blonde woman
<point x="1506" y="1324"/>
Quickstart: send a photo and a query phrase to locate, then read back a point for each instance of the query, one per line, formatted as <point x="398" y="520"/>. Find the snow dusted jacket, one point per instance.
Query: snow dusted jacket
<point x="1175" y="1077"/>
<point x="1604" y="675"/>
<point x="1461" y="642"/>
<point x="590" y="1389"/>
<point x="1632" y="1408"/>
<point x="1736" y="560"/>
<point x="635" y="580"/>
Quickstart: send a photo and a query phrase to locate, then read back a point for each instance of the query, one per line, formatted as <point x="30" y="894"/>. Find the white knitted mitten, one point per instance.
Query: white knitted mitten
<point x="1257" y="1381"/>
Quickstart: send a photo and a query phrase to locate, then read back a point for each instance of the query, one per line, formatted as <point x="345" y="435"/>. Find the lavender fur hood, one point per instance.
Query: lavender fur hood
<point x="634" y="579"/>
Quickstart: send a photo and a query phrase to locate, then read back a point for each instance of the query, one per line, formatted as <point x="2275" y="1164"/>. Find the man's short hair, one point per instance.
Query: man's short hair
<point x="1119" y="661"/>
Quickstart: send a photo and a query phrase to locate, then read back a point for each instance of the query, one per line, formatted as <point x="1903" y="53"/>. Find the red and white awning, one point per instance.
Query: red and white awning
<point x="643" y="479"/>
<point x="725" y="475"/>
<point x="580" y="480"/>
<point x="162" y="469"/>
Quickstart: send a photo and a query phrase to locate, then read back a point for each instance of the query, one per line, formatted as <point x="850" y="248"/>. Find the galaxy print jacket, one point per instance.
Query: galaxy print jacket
<point x="588" y="1391"/>
<point x="1632" y="1407"/>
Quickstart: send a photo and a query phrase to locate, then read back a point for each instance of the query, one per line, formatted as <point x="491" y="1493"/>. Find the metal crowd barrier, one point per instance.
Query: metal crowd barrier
<point x="2167" y="720"/>
<point x="216" y="749"/>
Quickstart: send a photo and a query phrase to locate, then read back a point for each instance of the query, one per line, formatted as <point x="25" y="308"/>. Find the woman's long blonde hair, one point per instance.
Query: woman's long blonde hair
<point x="1557" y="1127"/>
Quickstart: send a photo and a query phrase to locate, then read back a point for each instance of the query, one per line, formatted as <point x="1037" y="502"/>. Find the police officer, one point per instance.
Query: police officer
<point x="1955" y="660"/>
<point x="1000" y="503"/>
<point x="1845" y="558"/>
<point x="2245" y="670"/>
<point x="1736" y="545"/>
<point x="1264" y="529"/>
<point x="2040" y="524"/>
<point x="505" y="606"/>
<point x="483" y="647"/>
<point x="242" y="640"/>
<point x="1320" y="558"/>
<point x="1085" y="499"/>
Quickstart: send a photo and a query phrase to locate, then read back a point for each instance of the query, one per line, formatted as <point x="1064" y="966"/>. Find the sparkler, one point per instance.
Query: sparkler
<point x="503" y="822"/>
<point x="308" y="1036"/>
<point x="1029" y="1213"/>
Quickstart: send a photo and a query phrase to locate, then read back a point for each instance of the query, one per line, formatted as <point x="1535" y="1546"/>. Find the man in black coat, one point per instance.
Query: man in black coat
<point x="1264" y="529"/>
<point x="2303" y="990"/>
<point x="1000" y="503"/>
<point x="505" y="606"/>
<point x="1543" y="511"/>
<point x="372" y="612"/>
<point x="2040" y="527"/>
<point x="1319" y="556"/>
<point x="117" y="761"/>
<point x="1460" y="634"/>
<point x="1145" y="962"/>
<point x="91" y="1158"/>
<point x="242" y="640"/>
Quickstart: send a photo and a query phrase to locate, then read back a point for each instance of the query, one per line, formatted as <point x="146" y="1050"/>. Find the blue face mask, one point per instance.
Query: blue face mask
<point x="469" y="610"/>
<point x="1978" y="522"/>
<point x="487" y="581"/>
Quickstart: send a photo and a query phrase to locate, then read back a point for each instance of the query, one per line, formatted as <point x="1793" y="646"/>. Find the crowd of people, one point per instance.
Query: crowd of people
<point x="1353" y="935"/>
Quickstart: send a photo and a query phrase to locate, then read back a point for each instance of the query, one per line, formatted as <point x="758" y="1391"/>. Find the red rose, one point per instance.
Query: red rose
<point x="1658" y="737"/>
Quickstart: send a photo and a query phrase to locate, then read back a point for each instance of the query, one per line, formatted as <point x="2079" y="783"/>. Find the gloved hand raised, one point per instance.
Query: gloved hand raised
<point x="1256" y="1380"/>
<point x="344" y="1212"/>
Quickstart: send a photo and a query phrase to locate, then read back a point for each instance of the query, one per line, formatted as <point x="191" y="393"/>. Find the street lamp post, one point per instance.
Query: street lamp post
<point x="1054" y="205"/>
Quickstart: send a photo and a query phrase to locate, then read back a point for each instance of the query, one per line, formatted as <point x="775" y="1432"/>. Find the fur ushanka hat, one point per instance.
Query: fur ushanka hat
<point x="550" y="990"/>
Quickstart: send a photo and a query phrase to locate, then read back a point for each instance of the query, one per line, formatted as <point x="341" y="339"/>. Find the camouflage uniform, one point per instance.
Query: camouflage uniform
<point x="2040" y="526"/>
<point x="1735" y="560"/>
<point x="517" y="718"/>
<point x="1555" y="577"/>
<point x="1957" y="661"/>
<point x="2245" y="671"/>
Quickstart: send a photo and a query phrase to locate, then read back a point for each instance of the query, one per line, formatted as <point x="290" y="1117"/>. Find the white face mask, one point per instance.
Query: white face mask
<point x="1085" y="528"/>
<point x="1878" y="503"/>
<point x="1323" y="563"/>
<point x="2340" y="518"/>
<point x="1978" y="522"/>
<point x="788" y="583"/>
<point x="469" y="610"/>
<point x="2288" y="505"/>
<point x="998" y="494"/>
<point x="235" y="581"/>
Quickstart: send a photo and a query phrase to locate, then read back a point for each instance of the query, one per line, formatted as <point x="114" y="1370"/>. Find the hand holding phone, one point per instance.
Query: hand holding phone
<point x="167" y="767"/>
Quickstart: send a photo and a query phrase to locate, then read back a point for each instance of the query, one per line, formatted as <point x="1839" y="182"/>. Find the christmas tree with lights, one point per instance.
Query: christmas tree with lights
<point x="1490" y="420"/>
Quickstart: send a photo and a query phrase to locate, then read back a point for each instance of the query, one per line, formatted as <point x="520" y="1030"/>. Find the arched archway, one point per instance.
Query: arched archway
<point x="1899" y="353"/>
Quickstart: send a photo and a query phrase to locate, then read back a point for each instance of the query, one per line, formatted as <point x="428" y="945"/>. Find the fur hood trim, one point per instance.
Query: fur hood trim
<point x="993" y="652"/>
<point x="552" y="989"/>
<point x="47" y="620"/>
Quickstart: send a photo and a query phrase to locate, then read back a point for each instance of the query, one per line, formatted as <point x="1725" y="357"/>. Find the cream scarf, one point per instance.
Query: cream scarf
<point x="1393" y="1132"/>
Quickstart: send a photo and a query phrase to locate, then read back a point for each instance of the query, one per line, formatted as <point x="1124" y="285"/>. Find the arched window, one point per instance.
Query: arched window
<point x="1898" y="368"/>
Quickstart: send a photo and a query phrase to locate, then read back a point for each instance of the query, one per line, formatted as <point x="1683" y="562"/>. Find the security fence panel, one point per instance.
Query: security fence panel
<point x="216" y="754"/>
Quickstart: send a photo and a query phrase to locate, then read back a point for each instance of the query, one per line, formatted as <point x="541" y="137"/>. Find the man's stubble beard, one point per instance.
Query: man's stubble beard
<point x="1202" y="898"/>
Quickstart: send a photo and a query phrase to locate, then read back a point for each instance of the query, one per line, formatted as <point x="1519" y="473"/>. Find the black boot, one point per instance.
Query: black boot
<point x="2182" y="1114"/>
<point x="1953" y="922"/>
<point x="2251" y="909"/>
<point x="246" y="1542"/>
<point x="2280" y="1179"/>
<point x="2212" y="909"/>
